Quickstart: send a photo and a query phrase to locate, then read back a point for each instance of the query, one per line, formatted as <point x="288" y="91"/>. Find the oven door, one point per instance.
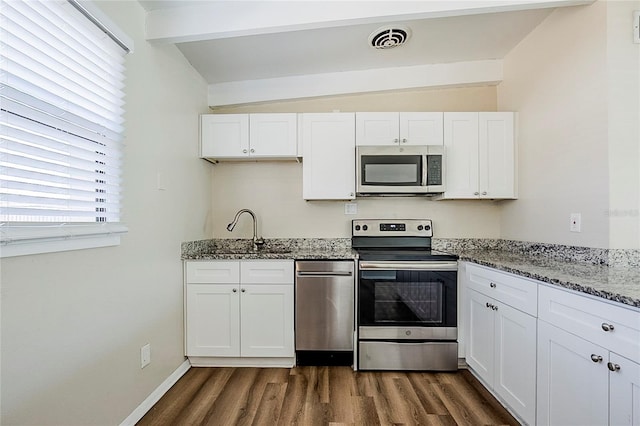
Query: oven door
<point x="406" y="296"/>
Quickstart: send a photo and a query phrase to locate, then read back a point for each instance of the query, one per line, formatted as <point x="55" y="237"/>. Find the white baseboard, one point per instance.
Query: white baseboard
<point x="155" y="396"/>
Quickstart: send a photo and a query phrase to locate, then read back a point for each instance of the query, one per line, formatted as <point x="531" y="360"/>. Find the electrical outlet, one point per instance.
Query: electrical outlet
<point x="145" y="355"/>
<point x="350" y="208"/>
<point x="636" y="26"/>
<point x="575" y="222"/>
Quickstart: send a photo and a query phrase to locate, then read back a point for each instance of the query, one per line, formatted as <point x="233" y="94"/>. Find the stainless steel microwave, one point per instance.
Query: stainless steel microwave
<point x="400" y="170"/>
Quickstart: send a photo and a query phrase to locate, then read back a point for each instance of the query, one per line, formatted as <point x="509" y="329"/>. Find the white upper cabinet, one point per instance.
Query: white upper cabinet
<point x="328" y="166"/>
<point x="480" y="155"/>
<point x="399" y="128"/>
<point x="248" y="136"/>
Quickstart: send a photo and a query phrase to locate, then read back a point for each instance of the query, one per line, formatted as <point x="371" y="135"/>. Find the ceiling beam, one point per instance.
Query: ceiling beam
<point x="223" y="19"/>
<point x="472" y="73"/>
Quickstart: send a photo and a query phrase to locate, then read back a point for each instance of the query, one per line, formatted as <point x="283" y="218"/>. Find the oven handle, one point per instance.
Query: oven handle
<point x="409" y="266"/>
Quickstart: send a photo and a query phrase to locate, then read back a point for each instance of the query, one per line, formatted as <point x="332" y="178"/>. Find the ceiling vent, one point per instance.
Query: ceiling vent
<point x="387" y="37"/>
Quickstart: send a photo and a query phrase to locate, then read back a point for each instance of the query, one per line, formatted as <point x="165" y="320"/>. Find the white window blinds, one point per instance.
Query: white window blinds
<point x="61" y="99"/>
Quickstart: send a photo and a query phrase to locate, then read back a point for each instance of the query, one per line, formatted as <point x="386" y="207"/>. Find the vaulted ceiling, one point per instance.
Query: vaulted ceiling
<point x="253" y="51"/>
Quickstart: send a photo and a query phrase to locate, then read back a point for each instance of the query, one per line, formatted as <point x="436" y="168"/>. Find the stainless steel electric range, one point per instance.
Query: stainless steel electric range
<point x="406" y="297"/>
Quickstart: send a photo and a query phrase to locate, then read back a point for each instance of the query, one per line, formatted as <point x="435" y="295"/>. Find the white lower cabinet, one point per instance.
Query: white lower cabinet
<point x="572" y="388"/>
<point x="588" y="361"/>
<point x="500" y="336"/>
<point x="239" y="310"/>
<point x="501" y="349"/>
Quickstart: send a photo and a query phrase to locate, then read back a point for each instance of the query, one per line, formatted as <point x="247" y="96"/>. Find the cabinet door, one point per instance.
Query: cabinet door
<point x="329" y="163"/>
<point x="224" y="135"/>
<point x="212" y="320"/>
<point x="480" y="336"/>
<point x="273" y="135"/>
<point x="515" y="360"/>
<point x="461" y="154"/>
<point x="267" y="320"/>
<point x="624" y="391"/>
<point x="573" y="389"/>
<point x="377" y="128"/>
<point x="421" y="128"/>
<point x="497" y="155"/>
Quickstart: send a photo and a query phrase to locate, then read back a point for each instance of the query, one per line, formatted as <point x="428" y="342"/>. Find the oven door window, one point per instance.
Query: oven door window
<point x="391" y="170"/>
<point x="409" y="298"/>
<point x="410" y="303"/>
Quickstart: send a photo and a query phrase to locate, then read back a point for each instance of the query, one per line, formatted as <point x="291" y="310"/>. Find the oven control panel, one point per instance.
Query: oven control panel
<point x="391" y="227"/>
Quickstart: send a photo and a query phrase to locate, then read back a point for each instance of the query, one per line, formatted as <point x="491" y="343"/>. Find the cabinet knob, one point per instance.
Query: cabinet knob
<point x="607" y="327"/>
<point x="484" y="192"/>
<point x="404" y="140"/>
<point x="235" y="290"/>
<point x="613" y="367"/>
<point x="492" y="285"/>
<point x="395" y="141"/>
<point x="596" y="358"/>
<point x="476" y="193"/>
<point x="488" y="305"/>
<point x="253" y="150"/>
<point x="244" y="151"/>
<point x="351" y="194"/>
<point x="494" y="307"/>
<point x="243" y="290"/>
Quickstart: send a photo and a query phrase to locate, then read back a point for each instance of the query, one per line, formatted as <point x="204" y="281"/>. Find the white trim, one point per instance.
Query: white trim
<point x="21" y="240"/>
<point x="457" y="74"/>
<point x="155" y="396"/>
<point x="266" y="362"/>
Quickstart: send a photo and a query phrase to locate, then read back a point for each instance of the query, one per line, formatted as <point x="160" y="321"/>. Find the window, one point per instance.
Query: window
<point x="61" y="127"/>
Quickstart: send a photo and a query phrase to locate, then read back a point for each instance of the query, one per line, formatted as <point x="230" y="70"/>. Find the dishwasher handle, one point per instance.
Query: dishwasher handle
<point x="325" y="273"/>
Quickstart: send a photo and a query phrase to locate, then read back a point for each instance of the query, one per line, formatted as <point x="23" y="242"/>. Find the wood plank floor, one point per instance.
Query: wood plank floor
<point x="325" y="396"/>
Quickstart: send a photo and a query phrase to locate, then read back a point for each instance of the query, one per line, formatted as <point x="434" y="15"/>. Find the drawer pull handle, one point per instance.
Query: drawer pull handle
<point x="492" y="285"/>
<point x="613" y="367"/>
<point x="607" y="327"/>
<point x="596" y="358"/>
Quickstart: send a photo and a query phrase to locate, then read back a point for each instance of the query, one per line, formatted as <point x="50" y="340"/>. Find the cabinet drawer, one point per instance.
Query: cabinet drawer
<point x="590" y="319"/>
<point x="509" y="289"/>
<point x="267" y="272"/>
<point x="213" y="272"/>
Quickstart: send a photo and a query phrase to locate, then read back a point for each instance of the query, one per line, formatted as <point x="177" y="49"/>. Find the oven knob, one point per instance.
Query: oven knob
<point x="365" y="227"/>
<point x="427" y="227"/>
<point x="420" y="227"/>
<point x="357" y="227"/>
<point x="408" y="332"/>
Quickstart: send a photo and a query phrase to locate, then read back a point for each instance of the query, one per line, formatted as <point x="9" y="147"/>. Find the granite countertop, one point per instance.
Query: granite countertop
<point x="616" y="283"/>
<point x="279" y="248"/>
<point x="540" y="262"/>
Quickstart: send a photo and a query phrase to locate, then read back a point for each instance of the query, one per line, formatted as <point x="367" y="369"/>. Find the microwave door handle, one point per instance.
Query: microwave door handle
<point x="424" y="170"/>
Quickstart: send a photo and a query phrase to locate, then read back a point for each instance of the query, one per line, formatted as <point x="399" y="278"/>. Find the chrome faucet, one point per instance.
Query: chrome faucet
<point x="257" y="241"/>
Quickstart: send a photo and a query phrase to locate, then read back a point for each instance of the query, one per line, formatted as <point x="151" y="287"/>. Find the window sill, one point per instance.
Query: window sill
<point x="22" y="240"/>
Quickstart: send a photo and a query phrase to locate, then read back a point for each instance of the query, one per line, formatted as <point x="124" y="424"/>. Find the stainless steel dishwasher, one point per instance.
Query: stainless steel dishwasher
<point x="324" y="312"/>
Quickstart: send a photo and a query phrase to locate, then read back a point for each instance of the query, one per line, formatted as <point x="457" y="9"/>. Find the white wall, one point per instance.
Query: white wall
<point x="73" y="322"/>
<point x="273" y="190"/>
<point x="623" y="81"/>
<point x="556" y="78"/>
<point x="576" y="82"/>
